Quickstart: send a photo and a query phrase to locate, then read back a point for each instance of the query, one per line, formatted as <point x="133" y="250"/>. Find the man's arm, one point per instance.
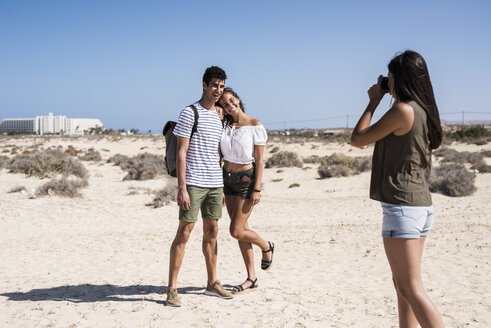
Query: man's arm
<point x="183" y="200"/>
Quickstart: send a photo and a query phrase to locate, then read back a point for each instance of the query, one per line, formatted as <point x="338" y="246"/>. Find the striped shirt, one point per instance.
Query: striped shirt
<point x="202" y="158"/>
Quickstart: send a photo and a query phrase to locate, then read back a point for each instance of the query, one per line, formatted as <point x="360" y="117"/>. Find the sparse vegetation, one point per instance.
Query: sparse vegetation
<point x="451" y="155"/>
<point x="119" y="160"/>
<point x="47" y="163"/>
<point x="470" y="134"/>
<point x="486" y="153"/>
<point x="72" y="151"/>
<point x="91" y="155"/>
<point x="275" y="150"/>
<point x="333" y="171"/>
<point x="294" y="185"/>
<point x="452" y="180"/>
<point x="3" y="161"/>
<point x="284" y="159"/>
<point x="61" y="187"/>
<point x="144" y="166"/>
<point x="165" y="196"/>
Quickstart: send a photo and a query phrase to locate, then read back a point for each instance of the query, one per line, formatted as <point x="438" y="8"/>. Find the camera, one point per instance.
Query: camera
<point x="384" y="84"/>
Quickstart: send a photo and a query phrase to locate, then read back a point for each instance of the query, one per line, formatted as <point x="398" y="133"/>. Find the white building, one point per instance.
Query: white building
<point x="50" y="125"/>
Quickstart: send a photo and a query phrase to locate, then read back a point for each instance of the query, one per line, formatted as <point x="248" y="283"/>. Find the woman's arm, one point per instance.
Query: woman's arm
<point x="259" y="163"/>
<point x="398" y="120"/>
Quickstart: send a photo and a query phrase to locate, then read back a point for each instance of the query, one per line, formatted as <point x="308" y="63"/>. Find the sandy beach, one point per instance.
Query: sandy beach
<point x="101" y="260"/>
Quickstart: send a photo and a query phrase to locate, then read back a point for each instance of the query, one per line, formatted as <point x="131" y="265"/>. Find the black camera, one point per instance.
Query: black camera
<point x="384" y="84"/>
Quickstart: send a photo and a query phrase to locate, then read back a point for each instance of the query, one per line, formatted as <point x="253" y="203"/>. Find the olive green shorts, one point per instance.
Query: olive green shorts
<point x="209" y="200"/>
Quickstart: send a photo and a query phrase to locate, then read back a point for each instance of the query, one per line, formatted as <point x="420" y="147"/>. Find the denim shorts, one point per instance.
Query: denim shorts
<point x="239" y="184"/>
<point x="409" y="222"/>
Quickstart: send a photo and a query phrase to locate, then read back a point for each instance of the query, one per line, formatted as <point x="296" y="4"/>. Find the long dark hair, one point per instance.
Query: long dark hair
<point x="412" y="82"/>
<point x="227" y="118"/>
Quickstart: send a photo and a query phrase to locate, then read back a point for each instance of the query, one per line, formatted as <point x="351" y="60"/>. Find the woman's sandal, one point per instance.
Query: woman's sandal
<point x="240" y="288"/>
<point x="265" y="264"/>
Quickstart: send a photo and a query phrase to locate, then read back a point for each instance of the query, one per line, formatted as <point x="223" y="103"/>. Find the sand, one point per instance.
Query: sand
<point x="102" y="260"/>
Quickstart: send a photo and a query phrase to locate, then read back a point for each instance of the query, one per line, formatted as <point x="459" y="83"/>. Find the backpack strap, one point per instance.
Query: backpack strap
<point x="196" y="117"/>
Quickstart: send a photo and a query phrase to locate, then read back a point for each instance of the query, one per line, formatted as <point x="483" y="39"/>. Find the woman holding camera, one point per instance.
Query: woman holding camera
<point x="242" y="148"/>
<point x="404" y="139"/>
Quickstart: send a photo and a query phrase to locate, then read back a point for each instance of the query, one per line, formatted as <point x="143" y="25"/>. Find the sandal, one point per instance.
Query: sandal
<point x="240" y="288"/>
<point x="265" y="264"/>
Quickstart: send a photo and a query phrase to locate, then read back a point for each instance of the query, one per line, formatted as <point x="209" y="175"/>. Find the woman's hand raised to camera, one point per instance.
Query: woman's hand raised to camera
<point x="375" y="93"/>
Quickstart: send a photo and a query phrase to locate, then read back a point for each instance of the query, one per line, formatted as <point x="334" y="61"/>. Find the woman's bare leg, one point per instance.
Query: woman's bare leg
<point x="404" y="257"/>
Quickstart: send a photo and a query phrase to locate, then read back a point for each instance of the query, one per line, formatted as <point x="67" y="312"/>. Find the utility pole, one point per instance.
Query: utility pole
<point x="462" y="126"/>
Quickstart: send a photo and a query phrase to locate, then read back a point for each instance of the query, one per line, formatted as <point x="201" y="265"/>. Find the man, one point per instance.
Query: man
<point x="200" y="183"/>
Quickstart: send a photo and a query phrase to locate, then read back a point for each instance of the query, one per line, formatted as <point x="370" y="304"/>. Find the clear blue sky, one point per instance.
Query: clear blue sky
<point x="136" y="64"/>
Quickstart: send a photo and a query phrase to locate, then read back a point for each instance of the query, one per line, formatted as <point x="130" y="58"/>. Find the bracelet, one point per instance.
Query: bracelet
<point x="256" y="190"/>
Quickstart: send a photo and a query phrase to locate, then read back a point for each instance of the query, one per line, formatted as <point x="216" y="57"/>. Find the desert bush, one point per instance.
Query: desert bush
<point x="277" y="180"/>
<point x="471" y="133"/>
<point x="481" y="142"/>
<point x="47" y="163"/>
<point x="62" y="187"/>
<point x="144" y="166"/>
<point x="482" y="167"/>
<point x="452" y="180"/>
<point x="91" y="155"/>
<point x="5" y="151"/>
<point x="486" y="153"/>
<point x="119" y="160"/>
<point x="284" y="159"/>
<point x="3" y="161"/>
<point x="72" y="151"/>
<point x="17" y="189"/>
<point x="358" y="164"/>
<point x="165" y="196"/>
<point x="275" y="150"/>
<point x="333" y="171"/>
<point x="294" y="185"/>
<point x="451" y="155"/>
<point x="312" y="159"/>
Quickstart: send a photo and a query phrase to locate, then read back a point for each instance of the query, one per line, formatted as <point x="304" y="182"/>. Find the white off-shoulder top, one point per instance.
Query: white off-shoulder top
<point x="237" y="144"/>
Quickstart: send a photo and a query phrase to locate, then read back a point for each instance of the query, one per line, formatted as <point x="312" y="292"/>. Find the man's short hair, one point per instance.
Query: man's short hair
<point x="214" y="72"/>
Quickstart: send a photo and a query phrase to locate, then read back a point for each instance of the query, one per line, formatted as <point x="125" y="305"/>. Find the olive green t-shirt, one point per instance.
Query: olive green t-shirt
<point x="401" y="165"/>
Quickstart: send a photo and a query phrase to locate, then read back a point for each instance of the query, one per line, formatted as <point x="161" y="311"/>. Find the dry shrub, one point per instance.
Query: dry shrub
<point x="312" y="159"/>
<point x="275" y="150"/>
<point x="92" y="156"/>
<point x="481" y="142"/>
<point x="3" y="161"/>
<point x="294" y="185"/>
<point x="72" y="151"/>
<point x="5" y="151"/>
<point x="61" y="187"/>
<point x="486" y="153"/>
<point x="333" y="171"/>
<point x="119" y="160"/>
<point x="357" y="164"/>
<point x="284" y="159"/>
<point x="452" y="180"/>
<point x="144" y="166"/>
<point x="17" y="189"/>
<point x="47" y="163"/>
<point x="481" y="167"/>
<point x="277" y="180"/>
<point x="451" y="155"/>
<point x="165" y="196"/>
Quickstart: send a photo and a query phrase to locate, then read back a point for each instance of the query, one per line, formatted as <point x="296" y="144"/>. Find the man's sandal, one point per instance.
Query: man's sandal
<point x="265" y="264"/>
<point x="240" y="288"/>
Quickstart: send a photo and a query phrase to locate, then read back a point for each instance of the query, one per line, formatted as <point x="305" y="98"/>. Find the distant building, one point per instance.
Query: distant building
<point x="50" y="125"/>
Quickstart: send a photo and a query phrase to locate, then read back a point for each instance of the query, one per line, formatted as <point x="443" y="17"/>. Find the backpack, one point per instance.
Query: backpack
<point x="171" y="142"/>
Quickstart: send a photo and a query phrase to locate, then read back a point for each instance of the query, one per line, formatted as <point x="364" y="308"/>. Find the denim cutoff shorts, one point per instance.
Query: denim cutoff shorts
<point x="401" y="221"/>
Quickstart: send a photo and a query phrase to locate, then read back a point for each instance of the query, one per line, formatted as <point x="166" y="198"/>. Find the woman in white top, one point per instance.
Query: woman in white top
<point x="242" y="148"/>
